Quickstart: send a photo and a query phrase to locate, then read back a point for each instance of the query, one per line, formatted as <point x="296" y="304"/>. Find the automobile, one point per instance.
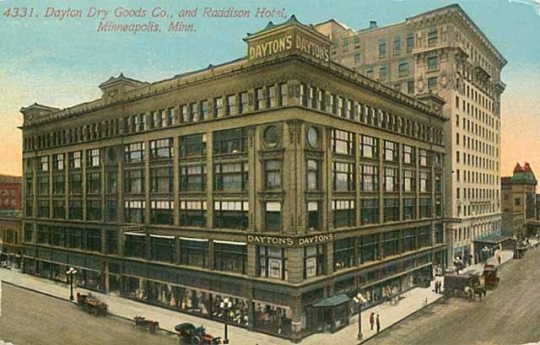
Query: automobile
<point x="191" y="335"/>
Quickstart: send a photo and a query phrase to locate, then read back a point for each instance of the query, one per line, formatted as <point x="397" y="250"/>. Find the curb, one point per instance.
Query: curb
<point x="438" y="300"/>
<point x="72" y="302"/>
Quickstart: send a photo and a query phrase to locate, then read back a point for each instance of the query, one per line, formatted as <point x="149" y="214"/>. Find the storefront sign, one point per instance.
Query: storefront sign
<point x="289" y="41"/>
<point x="290" y="241"/>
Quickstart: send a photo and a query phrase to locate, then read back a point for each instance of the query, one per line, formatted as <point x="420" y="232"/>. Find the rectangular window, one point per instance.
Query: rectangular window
<point x="425" y="208"/>
<point x="230" y="257"/>
<point x="369" y="178"/>
<point x="425" y="181"/>
<point x="343" y="176"/>
<point x="344" y="213"/>
<point x="134" y="181"/>
<point x="391" y="180"/>
<point x="162" y="249"/>
<point x="403" y="69"/>
<point x="204" y="110"/>
<point x="433" y="36"/>
<point x="219" y="110"/>
<point x="391" y="210"/>
<point x="75" y="209"/>
<point x="410" y="42"/>
<point x="231" y="214"/>
<point x="75" y="183"/>
<point x="271" y="97"/>
<point x="390" y="151"/>
<point x="272" y="263"/>
<point x="44" y="163"/>
<point x="432" y="83"/>
<point x="368" y="248"/>
<point x="193" y="145"/>
<point x="410" y="87"/>
<point x="433" y="63"/>
<point x="313" y="175"/>
<point x="369" y="147"/>
<point x="111" y="210"/>
<point x="314" y="263"/>
<point x="342" y="142"/>
<point x="59" y="209"/>
<point x="58" y="162"/>
<point x="230" y="141"/>
<point x="424" y="158"/>
<point x="231" y="177"/>
<point x="93" y="210"/>
<point x="43" y="185"/>
<point x="314" y="216"/>
<point x="390" y="243"/>
<point x="134" y="153"/>
<point x="369" y="211"/>
<point x="231" y="105"/>
<point x="424" y="236"/>
<point x="344" y="256"/>
<point x="193" y="112"/>
<point x="92" y="158"/>
<point x="75" y="160"/>
<point x="397" y="45"/>
<point x="93" y="183"/>
<point x="283" y="94"/>
<point x="193" y="178"/>
<point x="272" y="174"/>
<point x="161" y="180"/>
<point x="161" y="212"/>
<point x="135" y="246"/>
<point x="194" y="253"/>
<point x="111" y="182"/>
<point x="272" y="216"/>
<point x="59" y="184"/>
<point x="243" y="104"/>
<point x="382" y="48"/>
<point x="134" y="211"/>
<point x="193" y="213"/>
<point x="408" y="155"/>
<point x="383" y="72"/>
<point x="409" y="180"/>
<point x="259" y="99"/>
<point x="409" y="208"/>
<point x="161" y="149"/>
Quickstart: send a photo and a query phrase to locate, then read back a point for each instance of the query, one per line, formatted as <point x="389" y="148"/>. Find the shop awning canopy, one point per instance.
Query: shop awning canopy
<point x="493" y="239"/>
<point x="332" y="301"/>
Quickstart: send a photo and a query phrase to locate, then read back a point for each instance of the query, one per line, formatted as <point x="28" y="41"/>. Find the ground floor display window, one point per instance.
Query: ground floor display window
<point x="272" y="319"/>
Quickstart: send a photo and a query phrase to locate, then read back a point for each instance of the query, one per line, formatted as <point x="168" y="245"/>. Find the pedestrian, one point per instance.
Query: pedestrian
<point x="372" y="320"/>
<point x="378" y="324"/>
<point x="498" y="258"/>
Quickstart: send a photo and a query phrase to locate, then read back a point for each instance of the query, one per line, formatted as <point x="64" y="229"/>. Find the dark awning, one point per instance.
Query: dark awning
<point x="493" y="239"/>
<point x="332" y="301"/>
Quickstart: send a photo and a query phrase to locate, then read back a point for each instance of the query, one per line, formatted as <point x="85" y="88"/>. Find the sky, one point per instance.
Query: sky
<point x="60" y="61"/>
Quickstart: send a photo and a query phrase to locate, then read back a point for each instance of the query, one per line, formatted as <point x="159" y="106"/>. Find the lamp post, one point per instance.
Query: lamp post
<point x="226" y="306"/>
<point x="70" y="273"/>
<point x="360" y="300"/>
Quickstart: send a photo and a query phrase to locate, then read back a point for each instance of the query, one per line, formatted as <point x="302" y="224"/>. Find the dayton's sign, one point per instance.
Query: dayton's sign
<point x="290" y="241"/>
<point x="288" y="42"/>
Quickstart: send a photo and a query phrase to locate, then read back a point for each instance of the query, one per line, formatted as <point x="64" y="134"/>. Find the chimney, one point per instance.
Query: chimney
<point x="373" y="24"/>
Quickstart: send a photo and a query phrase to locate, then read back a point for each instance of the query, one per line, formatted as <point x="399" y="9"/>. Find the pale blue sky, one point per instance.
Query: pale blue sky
<point x="61" y="62"/>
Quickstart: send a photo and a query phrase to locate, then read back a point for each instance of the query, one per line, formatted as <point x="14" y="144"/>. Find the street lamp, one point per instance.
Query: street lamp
<point x="226" y="306"/>
<point x="360" y="299"/>
<point x="70" y="273"/>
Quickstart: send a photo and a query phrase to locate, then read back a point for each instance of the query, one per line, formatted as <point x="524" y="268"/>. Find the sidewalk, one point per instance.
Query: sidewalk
<point x="414" y="300"/>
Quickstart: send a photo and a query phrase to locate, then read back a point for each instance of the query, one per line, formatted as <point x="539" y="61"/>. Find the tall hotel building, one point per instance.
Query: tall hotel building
<point x="282" y="180"/>
<point x="443" y="52"/>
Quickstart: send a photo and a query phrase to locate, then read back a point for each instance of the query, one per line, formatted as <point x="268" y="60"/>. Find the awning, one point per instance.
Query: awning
<point x="493" y="239"/>
<point x="332" y="301"/>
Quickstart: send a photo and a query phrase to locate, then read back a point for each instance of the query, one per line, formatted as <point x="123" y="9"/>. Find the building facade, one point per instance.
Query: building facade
<point x="443" y="52"/>
<point x="519" y="201"/>
<point x="10" y="194"/>
<point x="282" y="180"/>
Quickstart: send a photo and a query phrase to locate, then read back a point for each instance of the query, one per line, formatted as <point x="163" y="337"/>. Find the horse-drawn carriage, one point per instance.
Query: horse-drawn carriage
<point x="92" y="305"/>
<point x="463" y="285"/>
<point x="142" y="323"/>
<point x="191" y="335"/>
<point x="490" y="276"/>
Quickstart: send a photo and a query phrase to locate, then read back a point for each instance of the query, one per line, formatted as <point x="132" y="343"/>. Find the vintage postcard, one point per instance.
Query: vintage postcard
<point x="269" y="172"/>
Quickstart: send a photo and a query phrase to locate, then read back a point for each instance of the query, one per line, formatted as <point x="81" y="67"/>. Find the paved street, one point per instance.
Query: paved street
<point x="29" y="318"/>
<point x="508" y="315"/>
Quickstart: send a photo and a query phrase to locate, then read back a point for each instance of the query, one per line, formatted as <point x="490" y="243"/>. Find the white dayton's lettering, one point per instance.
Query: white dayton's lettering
<point x="316" y="239"/>
<point x="275" y="46"/>
<point x="270" y="240"/>
<point x="305" y="45"/>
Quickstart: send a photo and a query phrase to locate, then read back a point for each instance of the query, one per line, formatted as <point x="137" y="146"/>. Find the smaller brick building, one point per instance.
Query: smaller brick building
<point x="10" y="193"/>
